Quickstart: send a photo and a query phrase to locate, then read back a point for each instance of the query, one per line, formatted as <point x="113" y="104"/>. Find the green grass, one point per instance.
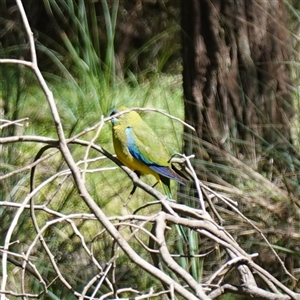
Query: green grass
<point x="83" y="80"/>
<point x="162" y="92"/>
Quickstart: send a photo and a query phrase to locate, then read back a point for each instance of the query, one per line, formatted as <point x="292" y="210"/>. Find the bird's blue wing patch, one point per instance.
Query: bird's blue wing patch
<point x="165" y="171"/>
<point x="133" y="148"/>
<point x="135" y="151"/>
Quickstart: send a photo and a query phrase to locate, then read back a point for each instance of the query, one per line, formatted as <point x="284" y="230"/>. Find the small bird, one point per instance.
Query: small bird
<point x="139" y="148"/>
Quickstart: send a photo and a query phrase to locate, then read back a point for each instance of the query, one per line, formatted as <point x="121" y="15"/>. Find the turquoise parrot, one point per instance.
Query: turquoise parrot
<point x="139" y="148"/>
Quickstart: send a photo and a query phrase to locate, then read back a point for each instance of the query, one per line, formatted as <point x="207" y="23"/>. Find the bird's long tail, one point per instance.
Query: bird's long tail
<point x="165" y="182"/>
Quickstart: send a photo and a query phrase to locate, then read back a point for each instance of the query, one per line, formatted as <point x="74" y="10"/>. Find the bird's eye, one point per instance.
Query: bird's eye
<point x="115" y="111"/>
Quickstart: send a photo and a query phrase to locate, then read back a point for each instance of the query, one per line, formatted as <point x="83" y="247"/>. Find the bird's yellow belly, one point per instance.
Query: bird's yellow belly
<point x="129" y="161"/>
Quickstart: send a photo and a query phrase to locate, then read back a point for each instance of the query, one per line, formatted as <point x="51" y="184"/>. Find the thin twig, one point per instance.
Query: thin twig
<point x="149" y="110"/>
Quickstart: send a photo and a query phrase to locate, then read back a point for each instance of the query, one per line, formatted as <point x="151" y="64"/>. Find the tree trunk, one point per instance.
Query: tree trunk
<point x="238" y="96"/>
<point x="236" y="77"/>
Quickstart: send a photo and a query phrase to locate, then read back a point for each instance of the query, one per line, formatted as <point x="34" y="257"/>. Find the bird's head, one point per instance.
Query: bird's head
<point x="117" y="110"/>
<point x="127" y="118"/>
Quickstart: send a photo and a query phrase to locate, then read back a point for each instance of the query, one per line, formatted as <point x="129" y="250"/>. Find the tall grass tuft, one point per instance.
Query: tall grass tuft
<point x="85" y="85"/>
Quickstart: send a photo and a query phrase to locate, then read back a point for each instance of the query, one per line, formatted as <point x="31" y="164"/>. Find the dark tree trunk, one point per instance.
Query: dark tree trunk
<point x="236" y="78"/>
<point x="238" y="96"/>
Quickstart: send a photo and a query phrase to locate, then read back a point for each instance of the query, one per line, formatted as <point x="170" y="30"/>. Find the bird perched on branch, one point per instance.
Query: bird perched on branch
<point x="139" y="148"/>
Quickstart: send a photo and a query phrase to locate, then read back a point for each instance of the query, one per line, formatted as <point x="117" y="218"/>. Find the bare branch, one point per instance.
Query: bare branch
<point x="126" y="236"/>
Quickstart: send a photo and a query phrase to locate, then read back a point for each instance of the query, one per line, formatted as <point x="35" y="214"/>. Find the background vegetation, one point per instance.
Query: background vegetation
<point x="96" y="55"/>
